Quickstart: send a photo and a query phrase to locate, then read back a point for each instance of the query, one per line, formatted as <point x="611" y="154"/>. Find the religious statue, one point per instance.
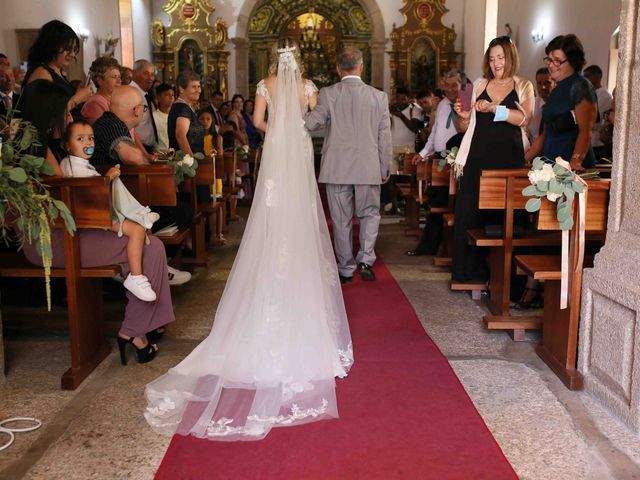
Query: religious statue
<point x="110" y="43"/>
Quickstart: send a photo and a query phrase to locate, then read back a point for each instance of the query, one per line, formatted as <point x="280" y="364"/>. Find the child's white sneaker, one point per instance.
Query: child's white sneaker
<point x="139" y="285"/>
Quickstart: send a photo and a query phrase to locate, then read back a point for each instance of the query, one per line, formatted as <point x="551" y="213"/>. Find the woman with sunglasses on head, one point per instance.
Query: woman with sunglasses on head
<point x="571" y="110"/>
<point x="495" y="138"/>
<point x="56" y="46"/>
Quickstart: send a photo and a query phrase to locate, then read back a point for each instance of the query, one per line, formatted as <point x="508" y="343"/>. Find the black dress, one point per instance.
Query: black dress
<point x="495" y="145"/>
<point x="195" y="134"/>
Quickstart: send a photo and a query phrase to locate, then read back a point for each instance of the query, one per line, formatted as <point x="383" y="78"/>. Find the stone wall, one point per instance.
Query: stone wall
<point x="609" y="351"/>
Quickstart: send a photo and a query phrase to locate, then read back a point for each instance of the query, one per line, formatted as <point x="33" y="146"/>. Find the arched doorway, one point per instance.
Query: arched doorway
<point x="324" y="23"/>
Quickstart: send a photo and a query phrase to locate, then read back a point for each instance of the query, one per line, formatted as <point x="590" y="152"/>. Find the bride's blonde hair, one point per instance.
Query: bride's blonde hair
<point x="285" y="42"/>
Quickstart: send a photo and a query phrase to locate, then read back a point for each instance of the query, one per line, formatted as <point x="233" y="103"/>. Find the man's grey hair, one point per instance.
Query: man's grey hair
<point x="453" y="74"/>
<point x="348" y="59"/>
<point x="140" y="64"/>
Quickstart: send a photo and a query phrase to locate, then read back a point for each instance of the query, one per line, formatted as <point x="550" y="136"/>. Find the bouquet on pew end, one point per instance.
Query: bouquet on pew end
<point x="184" y="165"/>
<point x="448" y="158"/>
<point x="554" y="180"/>
<point x="26" y="205"/>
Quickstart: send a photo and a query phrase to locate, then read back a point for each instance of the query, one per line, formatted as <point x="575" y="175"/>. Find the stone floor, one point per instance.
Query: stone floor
<point x="98" y="432"/>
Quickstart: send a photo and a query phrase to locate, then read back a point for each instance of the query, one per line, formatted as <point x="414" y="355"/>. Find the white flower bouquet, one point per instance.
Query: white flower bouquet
<point x="184" y="165"/>
<point x="555" y="181"/>
<point x="448" y="158"/>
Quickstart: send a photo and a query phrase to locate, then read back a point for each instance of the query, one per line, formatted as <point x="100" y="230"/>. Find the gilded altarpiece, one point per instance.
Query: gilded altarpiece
<point x="321" y="27"/>
<point x="191" y="42"/>
<point x="423" y="47"/>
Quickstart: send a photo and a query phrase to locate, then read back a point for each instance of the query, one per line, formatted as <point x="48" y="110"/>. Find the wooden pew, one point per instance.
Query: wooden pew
<point x="154" y="185"/>
<point x="89" y="200"/>
<point x="445" y="178"/>
<point x="558" y="348"/>
<point x="255" y="157"/>
<point x="413" y="191"/>
<point x="226" y="167"/>
<point x="502" y="190"/>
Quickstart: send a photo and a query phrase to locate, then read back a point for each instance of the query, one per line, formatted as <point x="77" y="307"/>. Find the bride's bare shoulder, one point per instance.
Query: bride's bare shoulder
<point x="269" y="81"/>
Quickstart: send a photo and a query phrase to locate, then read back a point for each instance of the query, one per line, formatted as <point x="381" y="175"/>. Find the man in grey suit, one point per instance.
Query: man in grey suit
<point x="356" y="158"/>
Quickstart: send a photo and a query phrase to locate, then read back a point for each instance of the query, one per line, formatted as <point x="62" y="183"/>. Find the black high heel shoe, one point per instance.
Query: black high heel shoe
<point x="145" y="354"/>
<point x="155" y="335"/>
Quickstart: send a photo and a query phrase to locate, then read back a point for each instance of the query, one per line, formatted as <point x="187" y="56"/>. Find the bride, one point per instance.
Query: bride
<point x="280" y="334"/>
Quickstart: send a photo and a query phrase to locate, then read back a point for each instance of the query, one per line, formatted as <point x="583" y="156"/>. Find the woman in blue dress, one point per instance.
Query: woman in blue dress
<point x="570" y="111"/>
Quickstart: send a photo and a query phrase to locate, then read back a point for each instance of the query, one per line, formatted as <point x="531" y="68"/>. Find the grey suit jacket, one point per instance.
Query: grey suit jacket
<point x="357" y="144"/>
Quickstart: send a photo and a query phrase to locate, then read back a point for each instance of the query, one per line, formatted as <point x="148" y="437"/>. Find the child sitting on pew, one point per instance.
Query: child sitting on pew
<point x="212" y="141"/>
<point x="129" y="217"/>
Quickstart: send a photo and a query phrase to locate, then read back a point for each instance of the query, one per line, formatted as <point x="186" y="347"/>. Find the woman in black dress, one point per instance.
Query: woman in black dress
<point x="183" y="126"/>
<point x="496" y="138"/>
<point x="55" y="48"/>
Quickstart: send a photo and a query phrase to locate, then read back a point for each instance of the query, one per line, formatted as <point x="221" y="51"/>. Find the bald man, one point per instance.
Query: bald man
<point x="112" y="131"/>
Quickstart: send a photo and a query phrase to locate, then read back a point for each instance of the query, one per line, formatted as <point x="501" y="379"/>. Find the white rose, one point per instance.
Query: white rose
<point x="552" y="197"/>
<point x="187" y="160"/>
<point x="534" y="176"/>
<point x="563" y="163"/>
<point x="546" y="173"/>
<point x="180" y="162"/>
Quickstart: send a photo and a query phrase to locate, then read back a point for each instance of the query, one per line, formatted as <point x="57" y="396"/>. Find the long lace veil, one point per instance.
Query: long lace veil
<point x="280" y="334"/>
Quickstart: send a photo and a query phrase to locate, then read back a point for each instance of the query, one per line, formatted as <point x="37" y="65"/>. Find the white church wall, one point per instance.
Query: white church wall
<point x="141" y="14"/>
<point x="97" y="19"/>
<point x="592" y="21"/>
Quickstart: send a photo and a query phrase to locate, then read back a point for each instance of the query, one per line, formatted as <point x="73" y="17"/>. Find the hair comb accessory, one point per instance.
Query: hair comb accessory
<point x="287" y="50"/>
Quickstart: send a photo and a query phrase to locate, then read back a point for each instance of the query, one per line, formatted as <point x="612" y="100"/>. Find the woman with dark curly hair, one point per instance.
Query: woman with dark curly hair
<point x="105" y="75"/>
<point x="55" y="48"/>
<point x="571" y="110"/>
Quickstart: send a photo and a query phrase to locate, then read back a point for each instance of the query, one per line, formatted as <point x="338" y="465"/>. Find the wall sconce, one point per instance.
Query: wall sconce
<point x="83" y="34"/>
<point x="537" y="35"/>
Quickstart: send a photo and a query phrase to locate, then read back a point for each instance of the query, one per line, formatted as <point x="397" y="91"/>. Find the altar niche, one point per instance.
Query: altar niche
<point x="422" y="48"/>
<point x="321" y="31"/>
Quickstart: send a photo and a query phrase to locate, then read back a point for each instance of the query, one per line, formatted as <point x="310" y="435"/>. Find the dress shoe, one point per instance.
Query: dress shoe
<point x="366" y="272"/>
<point x="415" y="253"/>
<point x="344" y="280"/>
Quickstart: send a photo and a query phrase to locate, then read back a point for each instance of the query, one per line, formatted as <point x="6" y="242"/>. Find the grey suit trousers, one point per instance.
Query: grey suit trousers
<point x="367" y="211"/>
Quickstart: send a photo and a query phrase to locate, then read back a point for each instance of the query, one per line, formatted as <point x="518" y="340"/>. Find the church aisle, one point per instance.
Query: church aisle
<point x="98" y="432"/>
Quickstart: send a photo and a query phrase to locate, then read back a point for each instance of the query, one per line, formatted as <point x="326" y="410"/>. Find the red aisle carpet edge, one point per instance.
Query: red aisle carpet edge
<point x="403" y="413"/>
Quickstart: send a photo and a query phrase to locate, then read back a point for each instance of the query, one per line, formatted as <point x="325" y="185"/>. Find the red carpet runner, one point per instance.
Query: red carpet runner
<point x="403" y="413"/>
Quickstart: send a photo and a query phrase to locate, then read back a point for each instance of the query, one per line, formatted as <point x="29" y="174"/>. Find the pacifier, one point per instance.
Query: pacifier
<point x="88" y="150"/>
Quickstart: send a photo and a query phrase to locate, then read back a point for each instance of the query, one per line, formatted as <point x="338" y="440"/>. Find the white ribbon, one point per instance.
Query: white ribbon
<point x="578" y="256"/>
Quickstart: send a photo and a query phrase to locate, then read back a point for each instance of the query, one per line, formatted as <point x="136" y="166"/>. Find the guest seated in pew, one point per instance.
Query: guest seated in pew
<point x="105" y="75"/>
<point x="165" y="96"/>
<point x="114" y="145"/>
<point x="129" y="217"/>
<point x="184" y="128"/>
<point x="443" y="130"/>
<point x="47" y="111"/>
<point x="502" y="105"/>
<point x="212" y="141"/>
<point x="255" y="137"/>
<point x="570" y="112"/>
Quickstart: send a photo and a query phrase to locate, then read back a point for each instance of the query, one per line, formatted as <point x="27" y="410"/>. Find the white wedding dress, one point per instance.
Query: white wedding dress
<point x="280" y="335"/>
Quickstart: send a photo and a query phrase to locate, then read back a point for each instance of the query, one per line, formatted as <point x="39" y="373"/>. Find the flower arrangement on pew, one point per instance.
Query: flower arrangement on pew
<point x="25" y="201"/>
<point x="448" y="158"/>
<point x="184" y="165"/>
<point x="555" y="181"/>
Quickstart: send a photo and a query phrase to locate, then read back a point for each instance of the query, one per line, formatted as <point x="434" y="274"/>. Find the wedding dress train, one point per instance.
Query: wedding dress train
<point x="280" y="334"/>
